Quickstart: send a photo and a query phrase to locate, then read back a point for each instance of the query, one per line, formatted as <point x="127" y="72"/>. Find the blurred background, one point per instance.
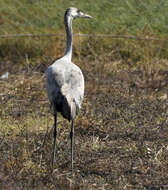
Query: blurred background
<point x="121" y="132"/>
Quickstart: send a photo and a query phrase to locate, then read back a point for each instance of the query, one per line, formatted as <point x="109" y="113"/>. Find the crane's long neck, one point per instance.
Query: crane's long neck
<point x="69" y="34"/>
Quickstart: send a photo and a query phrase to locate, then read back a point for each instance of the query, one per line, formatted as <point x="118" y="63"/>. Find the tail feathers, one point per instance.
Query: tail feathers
<point x="69" y="108"/>
<point x="66" y="106"/>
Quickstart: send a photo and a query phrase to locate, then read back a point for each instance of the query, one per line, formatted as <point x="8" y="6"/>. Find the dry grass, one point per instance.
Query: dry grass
<point x="120" y="134"/>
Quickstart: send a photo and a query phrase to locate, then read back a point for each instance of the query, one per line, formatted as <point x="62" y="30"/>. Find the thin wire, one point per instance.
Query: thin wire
<point x="83" y="35"/>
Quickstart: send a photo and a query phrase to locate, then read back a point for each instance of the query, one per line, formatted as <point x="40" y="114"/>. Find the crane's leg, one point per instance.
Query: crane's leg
<point x="55" y="137"/>
<point x="72" y="143"/>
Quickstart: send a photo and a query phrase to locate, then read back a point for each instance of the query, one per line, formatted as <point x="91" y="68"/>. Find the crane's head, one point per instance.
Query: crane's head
<point x="76" y="13"/>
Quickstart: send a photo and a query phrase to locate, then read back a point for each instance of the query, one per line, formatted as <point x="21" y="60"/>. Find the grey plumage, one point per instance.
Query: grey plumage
<point x="65" y="82"/>
<point x="65" y="87"/>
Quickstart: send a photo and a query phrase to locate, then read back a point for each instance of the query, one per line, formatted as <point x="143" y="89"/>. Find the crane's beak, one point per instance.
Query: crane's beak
<point x="87" y="16"/>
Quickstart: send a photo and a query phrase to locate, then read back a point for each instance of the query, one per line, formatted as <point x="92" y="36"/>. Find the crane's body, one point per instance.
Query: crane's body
<point x="65" y="87"/>
<point x="65" y="82"/>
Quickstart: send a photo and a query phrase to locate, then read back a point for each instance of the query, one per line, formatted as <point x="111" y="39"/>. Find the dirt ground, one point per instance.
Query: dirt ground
<point x="121" y="133"/>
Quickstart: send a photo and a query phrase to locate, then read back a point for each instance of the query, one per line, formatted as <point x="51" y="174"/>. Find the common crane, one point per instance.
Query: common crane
<point x="65" y="82"/>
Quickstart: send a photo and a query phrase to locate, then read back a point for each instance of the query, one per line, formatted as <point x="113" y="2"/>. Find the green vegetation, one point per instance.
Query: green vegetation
<point x="111" y="16"/>
<point x="121" y="133"/>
